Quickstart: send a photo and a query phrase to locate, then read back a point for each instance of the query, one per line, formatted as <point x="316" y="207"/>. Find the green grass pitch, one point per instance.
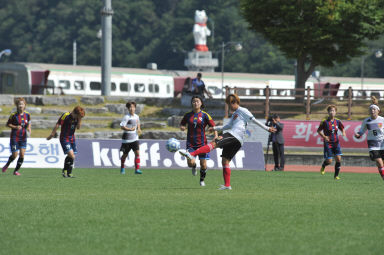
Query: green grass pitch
<point x="167" y="212"/>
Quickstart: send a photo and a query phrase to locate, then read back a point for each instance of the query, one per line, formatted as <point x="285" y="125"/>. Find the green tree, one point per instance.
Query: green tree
<point x="316" y="32"/>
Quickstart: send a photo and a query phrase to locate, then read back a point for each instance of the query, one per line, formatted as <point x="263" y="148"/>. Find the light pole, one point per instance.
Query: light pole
<point x="238" y="47"/>
<point x="5" y="52"/>
<point x="378" y="54"/>
<point x="106" y="47"/>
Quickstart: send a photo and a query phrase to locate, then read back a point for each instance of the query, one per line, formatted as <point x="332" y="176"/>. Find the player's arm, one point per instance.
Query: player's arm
<point x="362" y="130"/>
<point x="341" y="127"/>
<point x="10" y="125"/>
<point x="29" y="128"/>
<point x="321" y="133"/>
<point x="255" y="121"/>
<point x="138" y="127"/>
<point x="183" y="123"/>
<point x="53" y="133"/>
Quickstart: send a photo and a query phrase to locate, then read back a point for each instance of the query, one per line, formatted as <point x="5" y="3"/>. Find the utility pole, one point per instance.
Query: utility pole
<point x="106" y="47"/>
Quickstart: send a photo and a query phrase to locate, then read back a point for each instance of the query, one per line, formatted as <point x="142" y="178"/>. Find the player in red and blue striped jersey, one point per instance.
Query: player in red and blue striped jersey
<point x="328" y="130"/>
<point x="69" y="122"/>
<point x="20" y="123"/>
<point x="196" y="121"/>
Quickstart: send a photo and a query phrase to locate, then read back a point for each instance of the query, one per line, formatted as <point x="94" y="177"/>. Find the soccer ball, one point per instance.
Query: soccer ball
<point x="173" y="145"/>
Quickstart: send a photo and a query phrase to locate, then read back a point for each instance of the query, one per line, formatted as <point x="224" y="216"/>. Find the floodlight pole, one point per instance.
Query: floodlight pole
<point x="106" y="47"/>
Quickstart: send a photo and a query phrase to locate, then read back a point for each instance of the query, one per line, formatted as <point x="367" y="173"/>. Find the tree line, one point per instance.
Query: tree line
<point x="147" y="31"/>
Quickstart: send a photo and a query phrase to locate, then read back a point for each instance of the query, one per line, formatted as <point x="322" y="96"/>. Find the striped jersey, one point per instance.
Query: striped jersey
<point x="130" y="121"/>
<point x="22" y="120"/>
<point x="330" y="128"/>
<point x="68" y="127"/>
<point x="196" y="123"/>
<point x="375" y="138"/>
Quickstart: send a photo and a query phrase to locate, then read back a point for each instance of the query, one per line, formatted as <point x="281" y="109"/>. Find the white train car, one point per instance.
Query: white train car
<point x="38" y="78"/>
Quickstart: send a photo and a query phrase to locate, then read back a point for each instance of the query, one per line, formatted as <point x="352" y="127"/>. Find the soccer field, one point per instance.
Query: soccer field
<point x="167" y="212"/>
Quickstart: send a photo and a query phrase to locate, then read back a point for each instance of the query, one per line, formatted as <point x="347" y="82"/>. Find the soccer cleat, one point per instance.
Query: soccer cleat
<point x="225" y="187"/>
<point x="138" y="171"/>
<point x="186" y="154"/>
<point x="337" y="178"/>
<point x="16" y="173"/>
<point x="122" y="171"/>
<point x="194" y="171"/>
<point x="65" y="173"/>
<point x="322" y="170"/>
<point x="202" y="184"/>
<point x="71" y="176"/>
<point x="4" y="169"/>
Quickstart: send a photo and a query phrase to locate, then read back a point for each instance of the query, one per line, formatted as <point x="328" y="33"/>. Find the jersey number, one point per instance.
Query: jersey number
<point x="374" y="132"/>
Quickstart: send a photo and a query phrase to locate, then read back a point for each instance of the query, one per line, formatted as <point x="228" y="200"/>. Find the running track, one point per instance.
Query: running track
<point x="311" y="168"/>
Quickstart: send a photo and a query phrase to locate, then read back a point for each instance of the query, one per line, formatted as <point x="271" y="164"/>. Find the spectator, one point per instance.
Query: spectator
<point x="198" y="87"/>
<point x="278" y="143"/>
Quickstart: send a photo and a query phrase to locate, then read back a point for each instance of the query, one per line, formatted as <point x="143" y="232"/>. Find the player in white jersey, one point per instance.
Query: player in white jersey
<point x="232" y="139"/>
<point x="130" y="140"/>
<point x="375" y="138"/>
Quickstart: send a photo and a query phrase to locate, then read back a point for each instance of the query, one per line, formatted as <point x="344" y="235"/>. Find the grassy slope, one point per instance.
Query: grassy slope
<point x="166" y="212"/>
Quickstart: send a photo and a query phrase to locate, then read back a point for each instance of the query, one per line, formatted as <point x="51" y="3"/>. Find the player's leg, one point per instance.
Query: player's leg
<point x="136" y="149"/>
<point x="376" y="156"/>
<point x="232" y="146"/>
<point x="14" y="153"/>
<point x="226" y="174"/>
<point x="337" y="167"/>
<point x="327" y="158"/>
<point x="19" y="161"/>
<point x="124" y="149"/>
<point x="202" y="150"/>
<point x="203" y="171"/>
<point x="137" y="162"/>
<point x="192" y="162"/>
<point x="70" y="159"/>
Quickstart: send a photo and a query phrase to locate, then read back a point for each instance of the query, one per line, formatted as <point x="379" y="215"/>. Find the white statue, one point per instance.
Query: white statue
<point x="200" y="31"/>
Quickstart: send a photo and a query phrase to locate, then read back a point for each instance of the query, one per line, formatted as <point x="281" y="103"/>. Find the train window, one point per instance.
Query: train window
<point x="214" y="90"/>
<point x="168" y="89"/>
<point x="153" y="88"/>
<point x="123" y="86"/>
<point x="64" y="84"/>
<point x="113" y="86"/>
<point x="79" y="85"/>
<point x="139" y="87"/>
<point x="51" y="83"/>
<point x="7" y="79"/>
<point x="94" y="85"/>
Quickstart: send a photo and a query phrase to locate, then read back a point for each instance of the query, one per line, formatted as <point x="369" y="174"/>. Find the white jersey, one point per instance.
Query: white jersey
<point x="238" y="123"/>
<point x="375" y="138"/>
<point x="130" y="121"/>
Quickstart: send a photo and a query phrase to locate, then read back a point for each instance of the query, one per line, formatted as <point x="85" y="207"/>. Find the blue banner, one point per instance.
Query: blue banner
<point x="153" y="154"/>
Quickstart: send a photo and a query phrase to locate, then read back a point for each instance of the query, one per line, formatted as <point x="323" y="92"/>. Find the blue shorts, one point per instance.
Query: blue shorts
<point x="67" y="146"/>
<point x="331" y="150"/>
<point x="201" y="156"/>
<point x="16" y="146"/>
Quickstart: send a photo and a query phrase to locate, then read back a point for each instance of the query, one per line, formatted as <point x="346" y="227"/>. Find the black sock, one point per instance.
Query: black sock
<point x="69" y="165"/>
<point x="203" y="173"/>
<point x="19" y="163"/>
<point x="10" y="159"/>
<point x="337" y="168"/>
<point x="325" y="163"/>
